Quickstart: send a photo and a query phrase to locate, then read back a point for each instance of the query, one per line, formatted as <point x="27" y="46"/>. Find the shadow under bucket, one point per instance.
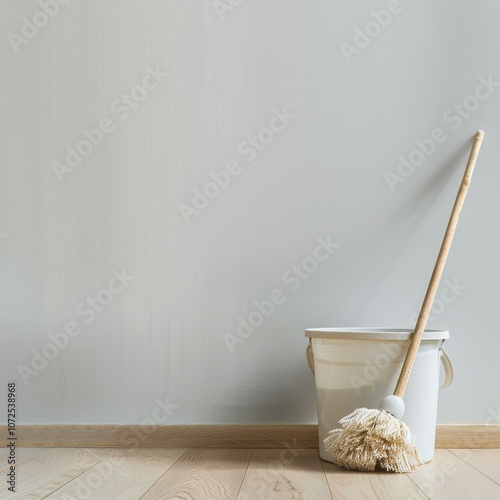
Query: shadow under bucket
<point x="359" y="367"/>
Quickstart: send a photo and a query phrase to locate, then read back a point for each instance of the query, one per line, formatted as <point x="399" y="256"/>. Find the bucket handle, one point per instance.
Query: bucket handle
<point x="310" y="356"/>
<point x="445" y="359"/>
<point x="448" y="368"/>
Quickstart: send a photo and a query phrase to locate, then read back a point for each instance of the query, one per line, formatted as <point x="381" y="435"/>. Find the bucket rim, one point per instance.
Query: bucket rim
<point x="373" y="333"/>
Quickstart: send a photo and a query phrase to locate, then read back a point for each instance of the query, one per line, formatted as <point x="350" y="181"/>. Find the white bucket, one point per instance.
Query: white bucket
<point x="359" y="367"/>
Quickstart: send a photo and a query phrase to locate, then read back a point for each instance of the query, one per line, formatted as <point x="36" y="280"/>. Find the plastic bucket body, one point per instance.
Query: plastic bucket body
<point x="359" y="367"/>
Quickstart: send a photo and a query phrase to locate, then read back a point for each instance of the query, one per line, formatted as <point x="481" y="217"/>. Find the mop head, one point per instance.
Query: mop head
<point x="370" y="438"/>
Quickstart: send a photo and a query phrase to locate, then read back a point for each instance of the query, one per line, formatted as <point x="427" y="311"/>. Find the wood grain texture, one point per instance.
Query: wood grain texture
<point x="119" y="473"/>
<point x="448" y="477"/>
<point x="203" y="474"/>
<point x="132" y="474"/>
<point x="284" y="474"/>
<point x="486" y="461"/>
<point x="349" y="484"/>
<point x="168" y="436"/>
<point x="42" y="471"/>
<point x="468" y="436"/>
<point x="221" y="436"/>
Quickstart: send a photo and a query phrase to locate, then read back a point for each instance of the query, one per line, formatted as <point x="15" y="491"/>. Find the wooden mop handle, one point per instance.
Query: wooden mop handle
<point x="416" y="336"/>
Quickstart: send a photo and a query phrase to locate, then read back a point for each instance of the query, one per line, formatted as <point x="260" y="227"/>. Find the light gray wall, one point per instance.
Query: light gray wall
<point x="324" y="175"/>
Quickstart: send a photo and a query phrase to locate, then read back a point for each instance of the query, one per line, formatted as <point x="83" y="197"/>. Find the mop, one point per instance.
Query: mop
<point x="378" y="437"/>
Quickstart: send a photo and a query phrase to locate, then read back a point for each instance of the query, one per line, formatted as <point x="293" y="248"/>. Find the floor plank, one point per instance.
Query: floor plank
<point x="485" y="461"/>
<point x="286" y="474"/>
<point x="203" y="474"/>
<point x="120" y="473"/>
<point x="41" y="470"/>
<point x="356" y="485"/>
<point x="448" y="477"/>
<point x="244" y="474"/>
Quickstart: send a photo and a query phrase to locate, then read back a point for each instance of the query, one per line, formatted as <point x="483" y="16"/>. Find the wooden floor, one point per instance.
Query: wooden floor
<point x="97" y="473"/>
